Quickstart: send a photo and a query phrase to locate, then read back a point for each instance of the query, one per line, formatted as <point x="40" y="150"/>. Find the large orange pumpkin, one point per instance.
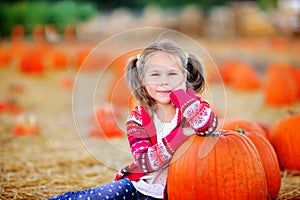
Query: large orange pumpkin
<point x="280" y="87"/>
<point x="285" y="138"/>
<point x="225" y="165"/>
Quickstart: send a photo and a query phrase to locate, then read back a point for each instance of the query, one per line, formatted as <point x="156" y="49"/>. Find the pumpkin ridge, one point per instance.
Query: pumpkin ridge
<point x="216" y="170"/>
<point x="221" y="169"/>
<point x="239" y="150"/>
<point x="233" y="166"/>
<point x="257" y="157"/>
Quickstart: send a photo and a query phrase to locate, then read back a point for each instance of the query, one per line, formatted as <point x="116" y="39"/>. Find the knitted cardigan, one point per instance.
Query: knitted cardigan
<point x="150" y="155"/>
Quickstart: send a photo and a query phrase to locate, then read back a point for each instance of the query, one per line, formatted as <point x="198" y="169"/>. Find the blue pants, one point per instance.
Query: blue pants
<point x="118" y="190"/>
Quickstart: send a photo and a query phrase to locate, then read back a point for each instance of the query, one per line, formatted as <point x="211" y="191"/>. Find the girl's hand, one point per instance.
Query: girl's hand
<point x="188" y="131"/>
<point x="181" y="99"/>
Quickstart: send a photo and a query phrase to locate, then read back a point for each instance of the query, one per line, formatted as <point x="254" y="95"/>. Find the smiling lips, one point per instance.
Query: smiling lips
<point x="167" y="92"/>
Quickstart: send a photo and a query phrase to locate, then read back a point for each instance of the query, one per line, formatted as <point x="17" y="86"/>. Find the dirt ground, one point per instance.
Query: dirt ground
<point x="58" y="159"/>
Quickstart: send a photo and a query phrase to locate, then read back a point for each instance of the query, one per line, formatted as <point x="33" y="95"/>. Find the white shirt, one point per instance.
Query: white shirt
<point x="153" y="184"/>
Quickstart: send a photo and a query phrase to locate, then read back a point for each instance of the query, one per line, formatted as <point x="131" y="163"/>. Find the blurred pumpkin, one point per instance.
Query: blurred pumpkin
<point x="280" y="87"/>
<point x="279" y="44"/>
<point x="240" y="75"/>
<point x="119" y="93"/>
<point x="210" y="168"/>
<point x="296" y="75"/>
<point x="106" y="125"/>
<point x="31" y="62"/>
<point x="90" y="59"/>
<point x="59" y="59"/>
<point x="26" y="125"/>
<point x="10" y="107"/>
<point x="118" y="65"/>
<point x="285" y="138"/>
<point x="5" y="57"/>
<point x="82" y="54"/>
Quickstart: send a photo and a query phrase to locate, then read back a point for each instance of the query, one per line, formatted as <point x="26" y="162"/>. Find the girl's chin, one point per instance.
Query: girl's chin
<point x="163" y="101"/>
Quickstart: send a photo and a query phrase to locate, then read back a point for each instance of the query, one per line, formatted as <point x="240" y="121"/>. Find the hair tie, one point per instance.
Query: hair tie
<point x="186" y="55"/>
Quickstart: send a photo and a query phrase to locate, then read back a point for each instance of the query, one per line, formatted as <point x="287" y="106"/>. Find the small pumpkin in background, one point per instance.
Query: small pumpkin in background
<point x="280" y="87"/>
<point x="285" y="138"/>
<point x="89" y="60"/>
<point x="119" y="64"/>
<point x="82" y="54"/>
<point x="119" y="93"/>
<point x="210" y="168"/>
<point x="240" y="75"/>
<point x="105" y="125"/>
<point x="59" y="59"/>
<point x="31" y="62"/>
<point x="279" y="44"/>
<point x="5" y="57"/>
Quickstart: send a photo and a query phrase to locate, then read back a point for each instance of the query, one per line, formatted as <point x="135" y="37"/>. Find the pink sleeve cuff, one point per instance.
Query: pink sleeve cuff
<point x="175" y="139"/>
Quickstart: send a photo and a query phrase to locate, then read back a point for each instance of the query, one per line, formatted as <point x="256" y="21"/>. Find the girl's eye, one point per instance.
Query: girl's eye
<point x="172" y="74"/>
<point x="155" y="74"/>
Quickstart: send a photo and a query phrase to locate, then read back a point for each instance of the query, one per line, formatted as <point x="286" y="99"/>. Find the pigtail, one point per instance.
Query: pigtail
<point x="195" y="78"/>
<point x="132" y="75"/>
<point x="134" y="80"/>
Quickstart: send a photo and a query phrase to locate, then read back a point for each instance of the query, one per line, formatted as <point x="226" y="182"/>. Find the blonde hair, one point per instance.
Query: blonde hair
<point x="136" y="66"/>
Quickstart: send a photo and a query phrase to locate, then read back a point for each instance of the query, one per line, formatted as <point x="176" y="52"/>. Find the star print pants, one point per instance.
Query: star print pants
<point x="118" y="190"/>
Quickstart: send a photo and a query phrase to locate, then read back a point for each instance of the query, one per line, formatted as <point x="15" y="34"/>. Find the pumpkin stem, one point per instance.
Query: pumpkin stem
<point x="239" y="130"/>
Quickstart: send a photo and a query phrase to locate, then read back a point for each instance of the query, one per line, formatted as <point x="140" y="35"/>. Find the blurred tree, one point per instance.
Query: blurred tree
<point x="267" y="4"/>
<point x="69" y="12"/>
<point x="32" y="13"/>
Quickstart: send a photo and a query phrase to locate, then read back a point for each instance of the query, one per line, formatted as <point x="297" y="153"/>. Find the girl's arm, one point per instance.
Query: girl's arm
<point x="197" y="112"/>
<point x="147" y="153"/>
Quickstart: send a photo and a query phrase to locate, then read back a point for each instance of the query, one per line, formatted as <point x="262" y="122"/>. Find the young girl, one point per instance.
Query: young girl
<point x="163" y="79"/>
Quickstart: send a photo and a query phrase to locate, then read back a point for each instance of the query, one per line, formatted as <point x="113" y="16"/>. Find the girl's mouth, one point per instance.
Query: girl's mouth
<point x="167" y="92"/>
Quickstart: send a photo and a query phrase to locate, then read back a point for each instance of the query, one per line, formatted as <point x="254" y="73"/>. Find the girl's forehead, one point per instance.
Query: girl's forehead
<point x="162" y="60"/>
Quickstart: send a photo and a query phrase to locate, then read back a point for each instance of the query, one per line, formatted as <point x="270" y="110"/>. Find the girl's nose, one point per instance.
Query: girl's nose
<point x="163" y="80"/>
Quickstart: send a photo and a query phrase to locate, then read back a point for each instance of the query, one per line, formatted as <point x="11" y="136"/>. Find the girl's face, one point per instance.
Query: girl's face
<point x="162" y="75"/>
